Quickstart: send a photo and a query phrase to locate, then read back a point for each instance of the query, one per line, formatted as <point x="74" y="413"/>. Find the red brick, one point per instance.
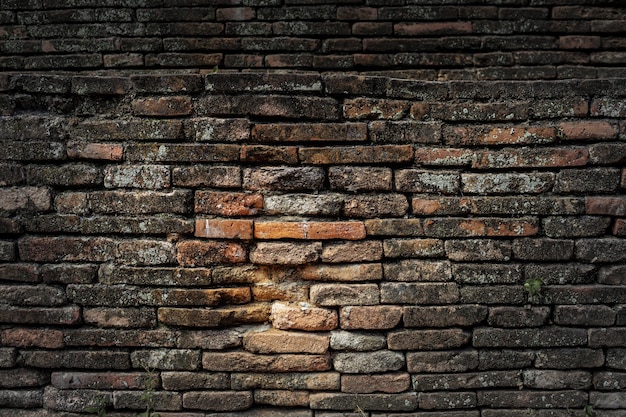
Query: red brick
<point x="202" y="253"/>
<point x="357" y="154"/>
<point x="99" y="151"/>
<point x="309" y="230"/>
<point x="277" y="341"/>
<point x="509" y="135"/>
<point x="28" y="338"/>
<point x="365" y="384"/>
<point x="228" y="203"/>
<point x="588" y="130"/>
<point x="224" y="228"/>
<point x="619" y="229"/>
<point x="451" y="227"/>
<point x="162" y="106"/>
<point x="353" y="272"/>
<point x="612" y="206"/>
<point x="432" y="28"/>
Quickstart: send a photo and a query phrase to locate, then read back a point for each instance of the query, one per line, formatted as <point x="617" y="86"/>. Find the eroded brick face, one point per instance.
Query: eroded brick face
<point x="299" y="208"/>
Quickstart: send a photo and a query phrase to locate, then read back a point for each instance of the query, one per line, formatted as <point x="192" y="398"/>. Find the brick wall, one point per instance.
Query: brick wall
<point x="309" y="243"/>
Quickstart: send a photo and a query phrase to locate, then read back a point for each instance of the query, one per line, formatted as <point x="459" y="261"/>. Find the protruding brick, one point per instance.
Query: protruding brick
<point x="344" y="294"/>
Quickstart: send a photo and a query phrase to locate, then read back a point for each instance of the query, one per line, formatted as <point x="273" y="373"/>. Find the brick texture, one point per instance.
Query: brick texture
<point x="312" y="208"/>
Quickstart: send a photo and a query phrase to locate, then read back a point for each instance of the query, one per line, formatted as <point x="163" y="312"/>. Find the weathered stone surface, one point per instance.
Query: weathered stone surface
<point x="303" y="317"/>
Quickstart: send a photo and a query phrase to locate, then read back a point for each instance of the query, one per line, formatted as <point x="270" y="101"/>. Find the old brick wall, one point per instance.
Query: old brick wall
<point x="425" y="216"/>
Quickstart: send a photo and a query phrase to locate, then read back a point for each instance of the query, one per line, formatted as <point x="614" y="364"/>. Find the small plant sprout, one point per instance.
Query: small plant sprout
<point x="533" y="288"/>
<point x="588" y="411"/>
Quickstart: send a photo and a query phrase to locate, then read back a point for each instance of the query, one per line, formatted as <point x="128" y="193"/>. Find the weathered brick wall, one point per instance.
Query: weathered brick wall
<point x="310" y="243"/>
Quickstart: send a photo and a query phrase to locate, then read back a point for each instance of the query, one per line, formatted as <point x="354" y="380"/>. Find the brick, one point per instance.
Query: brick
<point x="182" y="153"/>
<point x="32" y="151"/>
<point x="485" y="273"/>
<point x="55" y="249"/>
<point x="25" y="198"/>
<point x="444" y="316"/>
<point x="427" y="339"/>
<point x="139" y="202"/>
<point x="478" y="250"/>
<point x="482" y="294"/>
<point x="82" y="359"/>
<point x="97" y="151"/>
<point x="292" y="107"/>
<point x="434" y="28"/>
<point x="304" y="204"/>
<point x="228" y="203"/>
<point x="444" y="156"/>
<point x="359" y="155"/>
<point x="360" y="179"/>
<point x="29" y="338"/>
<point x="200" y="253"/>
<point x="357" y="341"/>
<point x="162" y="276"/>
<point x="250" y="362"/>
<point x="120" y="317"/>
<point x="131" y="129"/>
<point x="206" y="176"/>
<point x="612" y="275"/>
<point x="269" y="154"/>
<point x="417" y="270"/>
<point x="368" y="362"/>
<point x="394" y="227"/>
<point x="283" y="178"/>
<point x="161" y="400"/>
<point x="491" y="227"/>
<point x="452" y="400"/>
<point x="543" y="249"/>
<point x="557" y="379"/>
<point x="607" y="153"/>
<point x="366" y="384"/>
<point x="336" y="252"/>
<point x="377" y="205"/>
<point x="608" y="380"/>
<point x="145" y="252"/>
<point x="40" y="315"/>
<point x="612" y="206"/>
<point x="532" y="158"/>
<point x="20" y="272"/>
<point x="583" y="226"/>
<point x="366" y="402"/>
<point x="137" y="176"/>
<point x="291" y="317"/>
<point x="386" y="132"/>
<point x="21" y="398"/>
<point x="225" y="316"/>
<point x="285" y="253"/>
<point x="541" y="399"/>
<point x="22" y="378"/>
<point x="276" y="341"/>
<point x="370" y="317"/>
<point x="170" y="106"/>
<point x="166" y="359"/>
<point x="420" y="181"/>
<point x="443" y="361"/>
<point x="591" y="180"/>
<point x="422" y="293"/>
<point x="346" y="273"/>
<point x="299" y="381"/>
<point x="365" y="108"/>
<point x="504" y="183"/>
<point x="309" y="132"/>
<point x="471" y="380"/>
<point x="584" y="315"/>
<point x="344" y="294"/>
<point x="286" y="292"/>
<point x="100" y="85"/>
<point x="589" y="130"/>
<point x="413" y="248"/>
<point x="505" y="359"/>
<point x="7" y="251"/>
<point x="224" y="229"/>
<point x="550" y="336"/>
<point x="282" y="398"/>
<point x="517" y="316"/>
<point x="489" y="135"/>
<point x="188" y="380"/>
<point x="309" y="230"/>
<point x="599" y="250"/>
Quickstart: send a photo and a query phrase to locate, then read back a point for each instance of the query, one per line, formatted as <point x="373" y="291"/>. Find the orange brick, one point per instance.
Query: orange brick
<point x="309" y="230"/>
<point x="588" y="130"/>
<point x="102" y="151"/>
<point x="227" y="203"/>
<point x="224" y="228"/>
<point x="277" y="341"/>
